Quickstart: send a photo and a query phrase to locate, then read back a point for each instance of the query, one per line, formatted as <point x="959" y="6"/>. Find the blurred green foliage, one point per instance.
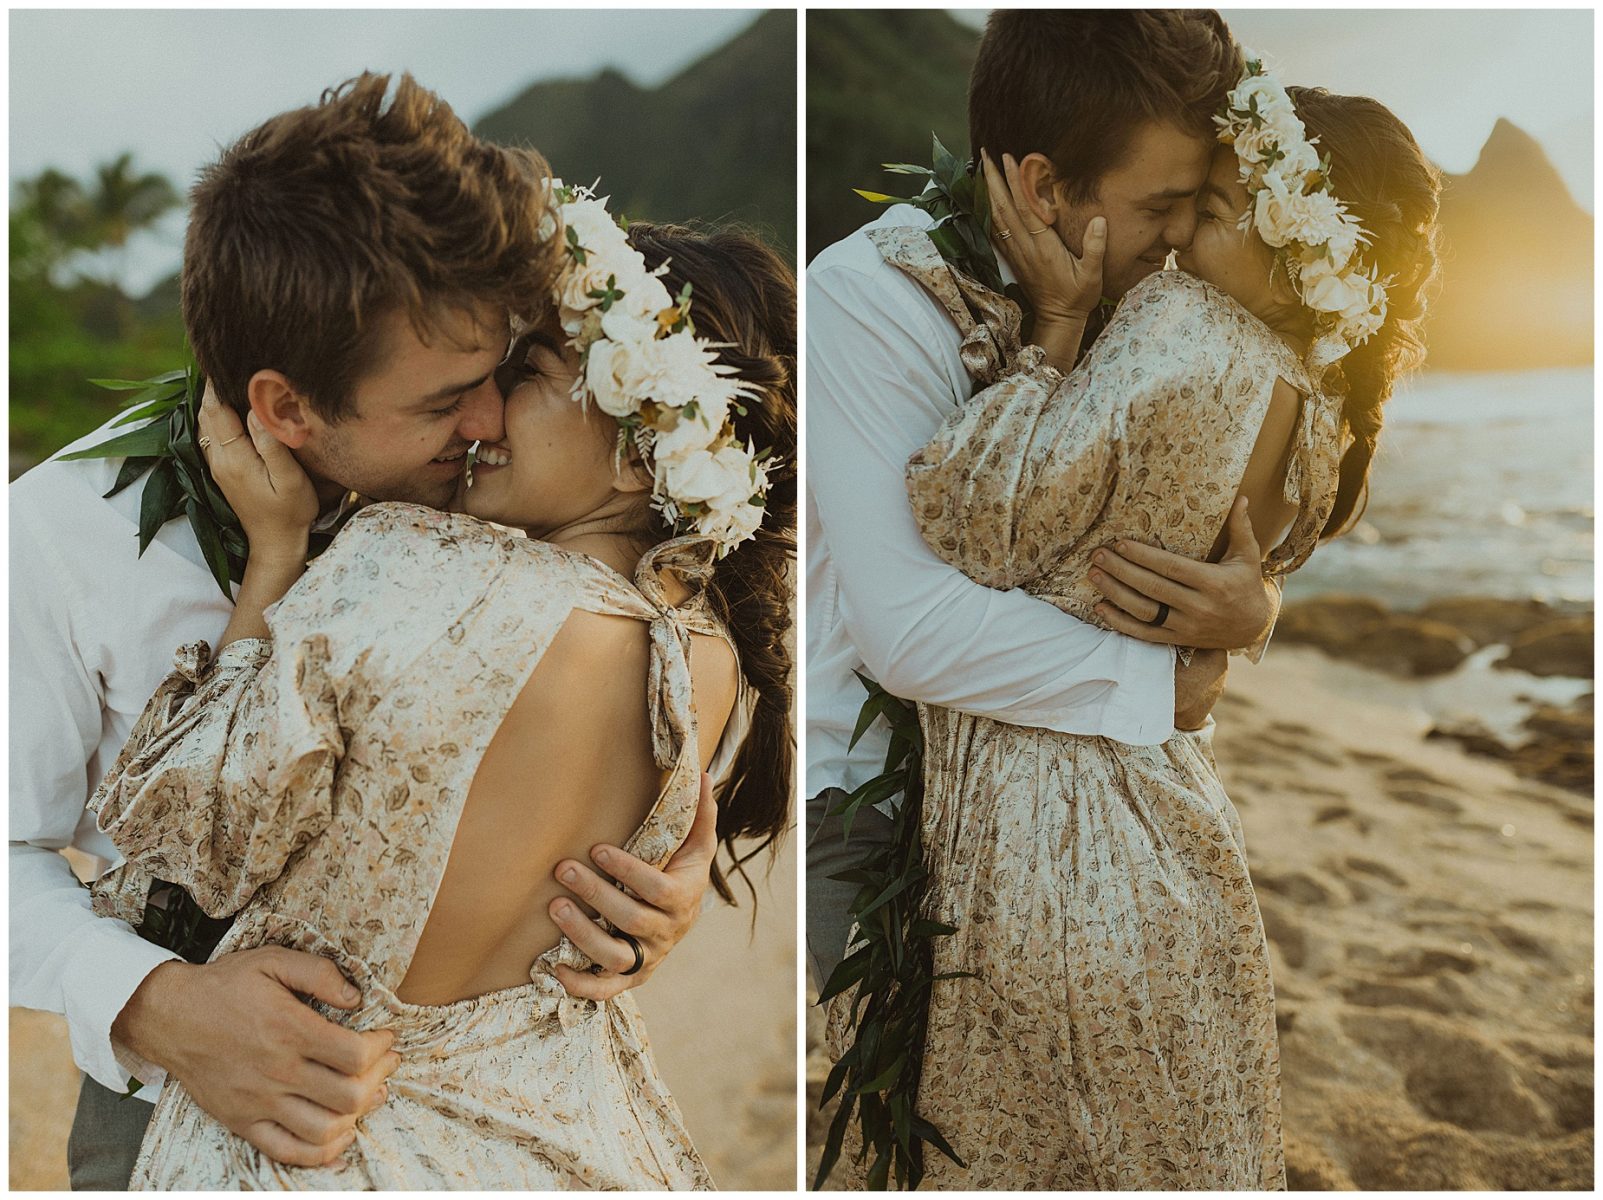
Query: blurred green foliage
<point x="70" y="317"/>
<point x="879" y="82"/>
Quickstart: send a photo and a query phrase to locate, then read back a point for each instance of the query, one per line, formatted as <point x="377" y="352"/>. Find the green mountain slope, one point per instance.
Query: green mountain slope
<point x="715" y="143"/>
<point x="878" y="83"/>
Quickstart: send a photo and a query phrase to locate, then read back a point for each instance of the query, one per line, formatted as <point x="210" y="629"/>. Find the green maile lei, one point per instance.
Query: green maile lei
<point x="163" y="446"/>
<point x="892" y="966"/>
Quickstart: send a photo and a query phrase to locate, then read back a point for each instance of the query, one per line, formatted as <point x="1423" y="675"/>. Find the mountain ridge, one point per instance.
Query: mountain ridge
<point x="734" y="105"/>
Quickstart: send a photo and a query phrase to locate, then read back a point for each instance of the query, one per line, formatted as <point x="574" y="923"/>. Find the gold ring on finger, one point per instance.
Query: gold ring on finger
<point x="1043" y="229"/>
<point x="230" y="441"/>
<point x="1004" y="234"/>
<point x="205" y="443"/>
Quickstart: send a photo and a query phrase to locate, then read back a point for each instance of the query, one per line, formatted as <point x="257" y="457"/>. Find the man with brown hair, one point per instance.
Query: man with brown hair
<point x="351" y="271"/>
<point x="1108" y="115"/>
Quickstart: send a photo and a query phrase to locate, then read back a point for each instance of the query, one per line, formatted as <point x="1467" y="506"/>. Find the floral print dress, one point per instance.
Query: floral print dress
<point x="1119" y="1029"/>
<point x="312" y="785"/>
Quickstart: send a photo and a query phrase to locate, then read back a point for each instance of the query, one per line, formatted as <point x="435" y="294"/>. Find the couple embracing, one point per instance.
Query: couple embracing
<point x="451" y="788"/>
<point x="1053" y="481"/>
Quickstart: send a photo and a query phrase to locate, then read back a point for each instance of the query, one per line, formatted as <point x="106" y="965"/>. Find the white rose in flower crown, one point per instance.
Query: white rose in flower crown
<point x="731" y="525"/>
<point x="692" y="433"/>
<point x="625" y="323"/>
<point x="1254" y="143"/>
<point x="1328" y="289"/>
<point x="1342" y="244"/>
<point x="1312" y="217"/>
<point x="1274" y="105"/>
<point x="672" y="371"/>
<point x="720" y="478"/>
<point x="1271" y="212"/>
<point x="593" y="226"/>
<point x="604" y="376"/>
<point x="1300" y="160"/>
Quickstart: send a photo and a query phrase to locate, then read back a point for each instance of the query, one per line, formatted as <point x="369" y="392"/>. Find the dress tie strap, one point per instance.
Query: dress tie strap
<point x="990" y="324"/>
<point x="668" y="689"/>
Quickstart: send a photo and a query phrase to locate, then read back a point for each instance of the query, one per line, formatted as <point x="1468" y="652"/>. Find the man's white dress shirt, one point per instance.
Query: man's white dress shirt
<point x="882" y="374"/>
<point x="93" y="630"/>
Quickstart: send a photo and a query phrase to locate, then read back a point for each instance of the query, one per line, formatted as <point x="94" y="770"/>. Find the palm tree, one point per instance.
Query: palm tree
<point x="121" y="204"/>
<point x="57" y="203"/>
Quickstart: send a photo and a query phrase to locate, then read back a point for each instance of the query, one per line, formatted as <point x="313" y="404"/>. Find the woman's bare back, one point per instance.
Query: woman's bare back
<point x="570" y="766"/>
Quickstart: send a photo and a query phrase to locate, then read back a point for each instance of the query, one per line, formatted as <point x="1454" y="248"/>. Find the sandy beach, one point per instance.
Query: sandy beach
<point x="721" y="1013"/>
<point x="1429" y="914"/>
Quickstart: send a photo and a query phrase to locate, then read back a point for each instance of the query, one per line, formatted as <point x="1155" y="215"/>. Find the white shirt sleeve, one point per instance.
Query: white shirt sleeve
<point x="924" y="630"/>
<point x="63" y="957"/>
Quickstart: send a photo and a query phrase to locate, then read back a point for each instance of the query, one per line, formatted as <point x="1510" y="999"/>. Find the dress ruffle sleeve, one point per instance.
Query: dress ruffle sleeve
<point x="227" y="773"/>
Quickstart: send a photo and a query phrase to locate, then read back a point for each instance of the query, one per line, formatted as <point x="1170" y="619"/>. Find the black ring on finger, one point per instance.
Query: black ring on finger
<point x="634" y="943"/>
<point x="1160" y="616"/>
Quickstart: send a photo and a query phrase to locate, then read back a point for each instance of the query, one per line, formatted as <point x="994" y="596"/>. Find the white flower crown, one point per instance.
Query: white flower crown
<point x="642" y="364"/>
<point x="1295" y="211"/>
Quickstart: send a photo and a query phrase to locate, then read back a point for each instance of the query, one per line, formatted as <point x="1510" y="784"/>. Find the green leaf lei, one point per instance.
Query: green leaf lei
<point x="893" y="964"/>
<point x="167" y="447"/>
<point x="954" y="193"/>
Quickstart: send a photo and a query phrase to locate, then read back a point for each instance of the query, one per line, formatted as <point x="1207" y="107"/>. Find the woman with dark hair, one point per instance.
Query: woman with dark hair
<point x="1113" y="1026"/>
<point x="394" y="747"/>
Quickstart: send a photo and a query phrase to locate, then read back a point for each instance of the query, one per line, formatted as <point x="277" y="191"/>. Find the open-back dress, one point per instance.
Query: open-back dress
<point x="1118" y="1031"/>
<point x="312" y="785"/>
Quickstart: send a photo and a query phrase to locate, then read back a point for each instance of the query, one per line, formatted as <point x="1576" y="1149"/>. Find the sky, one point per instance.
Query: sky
<point x="174" y="85"/>
<point x="1447" y="73"/>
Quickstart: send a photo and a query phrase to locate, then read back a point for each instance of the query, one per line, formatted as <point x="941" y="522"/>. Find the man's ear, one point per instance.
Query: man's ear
<point x="1040" y="179"/>
<point x="284" y="412"/>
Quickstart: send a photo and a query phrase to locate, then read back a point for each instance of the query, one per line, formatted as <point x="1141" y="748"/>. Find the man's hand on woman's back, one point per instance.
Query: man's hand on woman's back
<point x="238" y="1036"/>
<point x="1227" y="605"/>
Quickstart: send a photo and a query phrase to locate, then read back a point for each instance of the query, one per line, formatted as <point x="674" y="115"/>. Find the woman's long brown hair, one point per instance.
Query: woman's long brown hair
<point x="743" y="294"/>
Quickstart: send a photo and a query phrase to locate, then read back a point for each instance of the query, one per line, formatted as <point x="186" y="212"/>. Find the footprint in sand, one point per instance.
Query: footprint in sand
<point x="1427" y="800"/>
<point x="1391" y="993"/>
<point x="1370" y="759"/>
<point x="1377" y="870"/>
<point x="1300" y="887"/>
<point x="1527" y="945"/>
<point x="1452" y="1074"/>
<point x="1429" y="960"/>
<point x="1299" y="749"/>
<point x="1292" y="728"/>
<point x="1288" y="937"/>
<point x="1313" y="789"/>
<point x="1341" y="812"/>
<point x="1415" y="775"/>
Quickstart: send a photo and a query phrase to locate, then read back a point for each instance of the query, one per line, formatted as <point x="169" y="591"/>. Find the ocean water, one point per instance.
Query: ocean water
<point x="1483" y="486"/>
